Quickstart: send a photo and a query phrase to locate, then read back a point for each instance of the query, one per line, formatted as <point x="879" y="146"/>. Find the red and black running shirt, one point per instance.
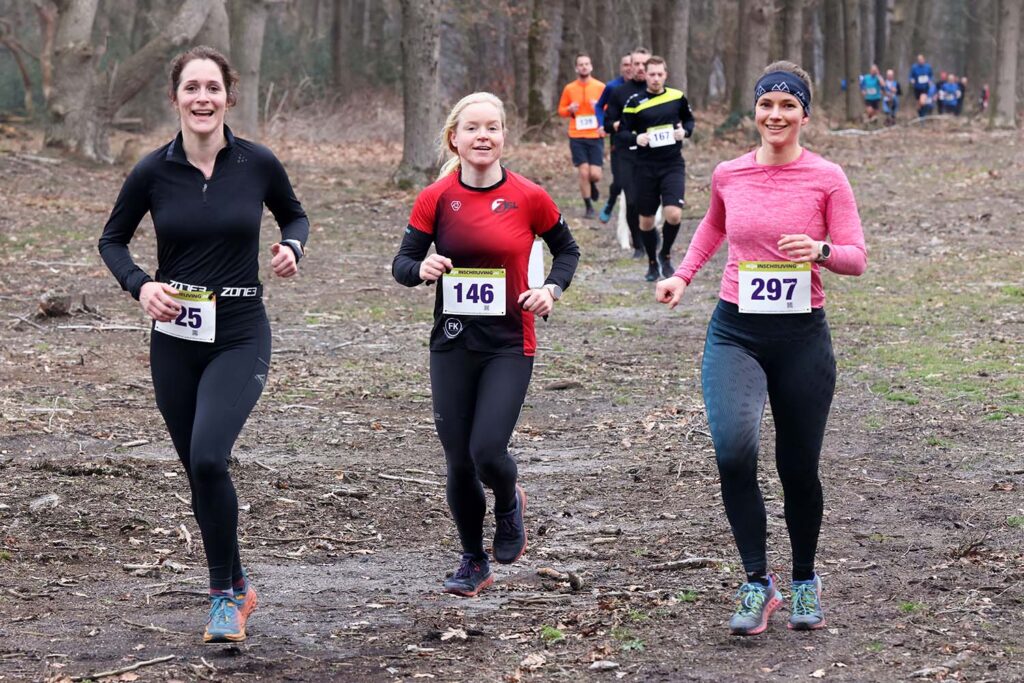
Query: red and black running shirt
<point x="490" y="227"/>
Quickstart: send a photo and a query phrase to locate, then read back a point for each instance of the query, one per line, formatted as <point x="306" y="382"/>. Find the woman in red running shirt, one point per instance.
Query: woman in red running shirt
<point x="482" y="220"/>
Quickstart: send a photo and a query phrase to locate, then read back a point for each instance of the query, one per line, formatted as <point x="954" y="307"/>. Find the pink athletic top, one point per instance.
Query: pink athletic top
<point x="753" y="205"/>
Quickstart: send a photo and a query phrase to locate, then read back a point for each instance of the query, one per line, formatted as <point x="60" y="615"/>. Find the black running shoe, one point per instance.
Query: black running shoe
<point x="510" y="531"/>
<point x="667" y="269"/>
<point x="589" y="214"/>
<point x="638" y="252"/>
<point x="595" y="193"/>
<point x="652" y="272"/>
<point x="472" y="576"/>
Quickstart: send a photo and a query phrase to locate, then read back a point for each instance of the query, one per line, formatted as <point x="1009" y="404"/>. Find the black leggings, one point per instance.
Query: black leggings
<point x="205" y="393"/>
<point x="789" y="359"/>
<point x="477" y="400"/>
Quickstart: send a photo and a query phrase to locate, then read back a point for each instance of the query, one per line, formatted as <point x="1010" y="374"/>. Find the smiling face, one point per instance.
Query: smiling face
<point x="626" y="67"/>
<point x="479" y="137"/>
<point x="201" y="99"/>
<point x="779" y="117"/>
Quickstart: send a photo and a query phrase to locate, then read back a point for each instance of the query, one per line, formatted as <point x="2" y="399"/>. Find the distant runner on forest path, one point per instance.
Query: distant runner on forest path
<point x="210" y="347"/>
<point x="482" y="220"/>
<point x="768" y="337"/>
<point x="586" y="132"/>
<point x="614" y="188"/>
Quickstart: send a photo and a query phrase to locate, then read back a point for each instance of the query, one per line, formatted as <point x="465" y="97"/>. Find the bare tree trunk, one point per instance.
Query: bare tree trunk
<point x="572" y="41"/>
<point x="520" y="14"/>
<point x="729" y="47"/>
<point x="981" y="46"/>
<point x="882" y="33"/>
<point x="793" y="31"/>
<point x="216" y="32"/>
<point x="835" y="57"/>
<point x="678" y="48"/>
<point x="81" y="108"/>
<point x="851" y="24"/>
<point x="248" y="25"/>
<point x="1004" y="95"/>
<point x="546" y="22"/>
<point x="706" y="23"/>
<point x="900" y="32"/>
<point x="755" y="16"/>
<point x="867" y="35"/>
<point x="339" y="71"/>
<point x="921" y="38"/>
<point x="421" y="46"/>
<point x="10" y="41"/>
<point x="47" y="12"/>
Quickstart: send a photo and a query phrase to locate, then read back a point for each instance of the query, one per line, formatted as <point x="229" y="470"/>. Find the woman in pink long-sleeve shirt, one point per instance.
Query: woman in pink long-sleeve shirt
<point x="786" y="213"/>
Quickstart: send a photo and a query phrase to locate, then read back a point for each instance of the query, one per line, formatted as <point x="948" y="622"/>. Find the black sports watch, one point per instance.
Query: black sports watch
<point x="824" y="253"/>
<point x="556" y="291"/>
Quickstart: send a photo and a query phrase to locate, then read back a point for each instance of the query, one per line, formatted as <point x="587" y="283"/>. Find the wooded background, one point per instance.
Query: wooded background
<point x="81" y="66"/>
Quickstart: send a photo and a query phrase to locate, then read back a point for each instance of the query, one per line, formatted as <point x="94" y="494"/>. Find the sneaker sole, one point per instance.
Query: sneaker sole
<point x="232" y="638"/>
<point x="773" y="604"/>
<point x="467" y="594"/>
<point x="805" y="627"/>
<point x="249" y="606"/>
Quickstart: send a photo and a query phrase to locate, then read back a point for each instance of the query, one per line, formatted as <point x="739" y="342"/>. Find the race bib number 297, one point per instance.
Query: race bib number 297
<point x="774" y="287"/>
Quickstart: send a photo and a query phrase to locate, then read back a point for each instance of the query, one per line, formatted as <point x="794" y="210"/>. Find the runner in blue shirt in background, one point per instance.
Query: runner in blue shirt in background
<point x="891" y="102"/>
<point x="949" y="95"/>
<point x="920" y="76"/>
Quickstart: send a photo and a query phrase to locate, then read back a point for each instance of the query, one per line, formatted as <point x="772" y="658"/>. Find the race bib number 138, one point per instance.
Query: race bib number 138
<point x="774" y="287"/>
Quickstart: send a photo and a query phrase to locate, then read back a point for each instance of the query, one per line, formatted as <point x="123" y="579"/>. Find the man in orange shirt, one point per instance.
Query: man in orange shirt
<point x="586" y="129"/>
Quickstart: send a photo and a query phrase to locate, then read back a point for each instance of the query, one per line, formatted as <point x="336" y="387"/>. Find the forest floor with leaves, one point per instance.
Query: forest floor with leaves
<point x="344" y="525"/>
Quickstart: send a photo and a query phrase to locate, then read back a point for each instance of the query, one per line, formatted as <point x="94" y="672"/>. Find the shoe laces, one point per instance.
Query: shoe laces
<point x="805" y="599"/>
<point x="467" y="567"/>
<point x="220" y="608"/>
<point x="507" y="523"/>
<point x="751" y="598"/>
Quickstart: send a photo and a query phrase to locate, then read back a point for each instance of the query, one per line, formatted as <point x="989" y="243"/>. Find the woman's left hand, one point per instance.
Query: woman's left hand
<point x="283" y="262"/>
<point x="538" y="301"/>
<point x="800" y="248"/>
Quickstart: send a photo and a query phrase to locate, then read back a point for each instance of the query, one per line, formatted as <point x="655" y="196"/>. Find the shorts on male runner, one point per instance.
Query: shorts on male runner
<point x="587" y="151"/>
<point x="661" y="185"/>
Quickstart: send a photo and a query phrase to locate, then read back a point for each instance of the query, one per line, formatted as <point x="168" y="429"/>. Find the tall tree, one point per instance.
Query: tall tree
<point x="84" y="101"/>
<point x="248" y="26"/>
<point x="835" y="58"/>
<point x="545" y="25"/>
<point x="705" y="22"/>
<point x="981" y="43"/>
<point x="679" y="44"/>
<point x="851" y="31"/>
<point x="421" y="46"/>
<point x="1004" y="96"/>
<point x="881" y="33"/>
<point x="753" y="38"/>
<point x="900" y="32"/>
<point x="791" y="20"/>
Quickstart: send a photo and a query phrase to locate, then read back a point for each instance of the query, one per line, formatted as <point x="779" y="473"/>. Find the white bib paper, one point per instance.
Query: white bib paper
<point x="586" y="122"/>
<point x="660" y="136"/>
<point x="197" y="320"/>
<point x="474" y="291"/>
<point x="774" y="287"/>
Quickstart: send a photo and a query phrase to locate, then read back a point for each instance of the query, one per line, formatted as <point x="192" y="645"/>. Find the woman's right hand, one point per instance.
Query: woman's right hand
<point x="156" y="301"/>
<point x="670" y="291"/>
<point x="433" y="267"/>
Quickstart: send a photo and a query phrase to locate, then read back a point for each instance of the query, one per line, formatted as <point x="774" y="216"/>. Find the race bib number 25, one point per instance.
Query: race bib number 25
<point x="197" y="320"/>
<point x="774" y="287"/>
<point x="474" y="291"/>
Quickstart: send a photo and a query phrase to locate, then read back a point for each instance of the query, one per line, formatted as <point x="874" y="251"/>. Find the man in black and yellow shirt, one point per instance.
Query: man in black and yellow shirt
<point x="658" y="119"/>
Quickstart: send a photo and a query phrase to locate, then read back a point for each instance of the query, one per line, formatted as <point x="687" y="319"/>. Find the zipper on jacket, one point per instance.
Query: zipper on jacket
<point x="204" y="191"/>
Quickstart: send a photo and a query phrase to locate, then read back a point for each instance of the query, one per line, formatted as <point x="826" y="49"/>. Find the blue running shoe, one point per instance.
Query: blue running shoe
<point x="606" y="214"/>
<point x="754" y="606"/>
<point x="225" y="624"/>
<point x="805" y="613"/>
<point x="472" y="576"/>
<point x="510" y="531"/>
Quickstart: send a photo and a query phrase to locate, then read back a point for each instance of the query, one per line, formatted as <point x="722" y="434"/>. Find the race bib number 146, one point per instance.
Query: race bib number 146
<point x="474" y="291"/>
<point x="774" y="287"/>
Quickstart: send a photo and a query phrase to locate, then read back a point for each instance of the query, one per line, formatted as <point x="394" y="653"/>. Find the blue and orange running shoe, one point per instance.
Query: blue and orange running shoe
<point x="472" y="576"/>
<point x="805" y="612"/>
<point x="510" y="531"/>
<point x="225" y="624"/>
<point x="246" y="601"/>
<point x="755" y="603"/>
<point x="606" y="213"/>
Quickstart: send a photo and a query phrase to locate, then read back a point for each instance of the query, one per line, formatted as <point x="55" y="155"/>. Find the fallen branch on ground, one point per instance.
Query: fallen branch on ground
<point x="124" y="669"/>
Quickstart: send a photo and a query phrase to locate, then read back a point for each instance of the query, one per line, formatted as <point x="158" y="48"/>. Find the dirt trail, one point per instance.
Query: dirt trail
<point x="923" y="468"/>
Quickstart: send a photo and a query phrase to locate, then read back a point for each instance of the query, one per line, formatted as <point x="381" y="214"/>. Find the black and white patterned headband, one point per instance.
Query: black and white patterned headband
<point x="783" y="81"/>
